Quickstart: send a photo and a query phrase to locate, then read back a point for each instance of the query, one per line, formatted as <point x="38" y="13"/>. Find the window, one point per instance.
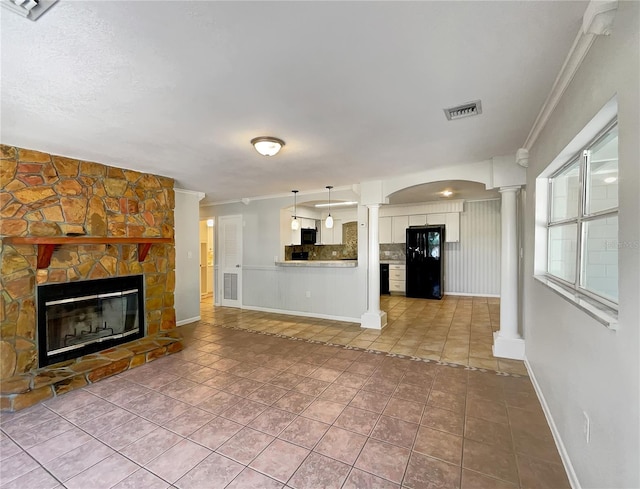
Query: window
<point x="582" y="223"/>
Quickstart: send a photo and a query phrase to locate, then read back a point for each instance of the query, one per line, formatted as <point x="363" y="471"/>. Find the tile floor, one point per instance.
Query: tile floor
<point x="454" y="330"/>
<point x="238" y="409"/>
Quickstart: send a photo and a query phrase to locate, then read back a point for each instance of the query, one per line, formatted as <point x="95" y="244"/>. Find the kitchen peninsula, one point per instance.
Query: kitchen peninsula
<point x="343" y="255"/>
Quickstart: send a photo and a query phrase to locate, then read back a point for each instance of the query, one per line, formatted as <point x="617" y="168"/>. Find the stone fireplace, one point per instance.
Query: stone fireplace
<point x="65" y="224"/>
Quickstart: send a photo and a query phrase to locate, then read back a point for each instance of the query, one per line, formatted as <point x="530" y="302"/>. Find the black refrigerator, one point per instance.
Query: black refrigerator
<point x="425" y="262"/>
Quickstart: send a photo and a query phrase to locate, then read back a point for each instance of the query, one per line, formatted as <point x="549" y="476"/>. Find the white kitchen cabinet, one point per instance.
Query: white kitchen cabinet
<point x="397" y="279"/>
<point x="337" y="231"/>
<point x="308" y="223"/>
<point x="418" y="220"/>
<point x="452" y="229"/>
<point x="436" y="219"/>
<point x="333" y="235"/>
<point x="399" y="226"/>
<point x="451" y="221"/>
<point x="384" y="230"/>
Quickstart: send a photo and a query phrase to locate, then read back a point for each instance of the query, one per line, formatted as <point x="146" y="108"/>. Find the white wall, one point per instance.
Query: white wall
<point x="578" y="363"/>
<point x="472" y="266"/>
<point x="187" y="235"/>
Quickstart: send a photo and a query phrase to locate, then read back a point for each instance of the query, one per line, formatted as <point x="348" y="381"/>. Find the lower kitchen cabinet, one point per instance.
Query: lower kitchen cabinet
<point x="397" y="279"/>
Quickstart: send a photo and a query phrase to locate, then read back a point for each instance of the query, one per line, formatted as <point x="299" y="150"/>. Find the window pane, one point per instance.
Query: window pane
<point x="602" y="173"/>
<point x="600" y="257"/>
<point x="565" y="193"/>
<point x="563" y="243"/>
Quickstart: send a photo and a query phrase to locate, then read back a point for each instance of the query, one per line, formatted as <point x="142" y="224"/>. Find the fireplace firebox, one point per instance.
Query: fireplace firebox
<point x="78" y="318"/>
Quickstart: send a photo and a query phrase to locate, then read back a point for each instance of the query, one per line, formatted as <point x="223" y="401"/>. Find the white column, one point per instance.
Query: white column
<point x="507" y="343"/>
<point x="374" y="318"/>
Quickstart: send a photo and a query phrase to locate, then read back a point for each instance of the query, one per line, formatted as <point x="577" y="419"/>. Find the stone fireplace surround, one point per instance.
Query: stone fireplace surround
<point x="43" y="195"/>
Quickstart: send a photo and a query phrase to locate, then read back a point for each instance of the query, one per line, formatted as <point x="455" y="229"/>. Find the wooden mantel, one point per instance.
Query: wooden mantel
<point x="46" y="244"/>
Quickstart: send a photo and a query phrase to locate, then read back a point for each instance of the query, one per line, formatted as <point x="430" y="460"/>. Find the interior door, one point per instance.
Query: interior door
<point x="230" y="229"/>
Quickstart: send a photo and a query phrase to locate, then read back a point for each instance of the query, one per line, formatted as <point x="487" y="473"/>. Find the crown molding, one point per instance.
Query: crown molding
<point x="596" y="21"/>
<point x="200" y="195"/>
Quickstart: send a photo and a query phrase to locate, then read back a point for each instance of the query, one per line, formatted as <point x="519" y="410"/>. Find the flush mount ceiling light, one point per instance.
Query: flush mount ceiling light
<point x="329" y="221"/>
<point x="610" y="179"/>
<point x="295" y="225"/>
<point x="267" y="146"/>
<point x="447" y="193"/>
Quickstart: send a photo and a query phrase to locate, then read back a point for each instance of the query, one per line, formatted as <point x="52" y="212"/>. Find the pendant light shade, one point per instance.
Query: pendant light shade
<point x="329" y="221"/>
<point x="295" y="224"/>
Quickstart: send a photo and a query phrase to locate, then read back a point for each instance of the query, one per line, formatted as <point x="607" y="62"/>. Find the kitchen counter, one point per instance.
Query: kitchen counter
<point x="318" y="263"/>
<point x="393" y="262"/>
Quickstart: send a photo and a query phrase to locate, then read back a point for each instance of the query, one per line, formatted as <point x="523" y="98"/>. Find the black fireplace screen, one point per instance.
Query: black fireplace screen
<point x="78" y="318"/>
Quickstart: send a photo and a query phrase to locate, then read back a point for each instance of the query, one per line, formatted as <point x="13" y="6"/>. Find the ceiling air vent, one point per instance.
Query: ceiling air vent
<point x="464" y="110"/>
<point x="31" y="9"/>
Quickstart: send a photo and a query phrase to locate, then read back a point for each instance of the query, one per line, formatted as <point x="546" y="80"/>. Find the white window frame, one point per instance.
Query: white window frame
<point x="582" y="217"/>
<point x="601" y="311"/>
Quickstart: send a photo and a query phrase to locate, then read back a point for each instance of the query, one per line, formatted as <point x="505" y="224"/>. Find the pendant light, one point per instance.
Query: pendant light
<point x="329" y="221"/>
<point x="295" y="225"/>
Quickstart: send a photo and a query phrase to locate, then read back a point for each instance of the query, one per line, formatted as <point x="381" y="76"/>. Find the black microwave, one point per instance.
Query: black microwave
<point x="308" y="236"/>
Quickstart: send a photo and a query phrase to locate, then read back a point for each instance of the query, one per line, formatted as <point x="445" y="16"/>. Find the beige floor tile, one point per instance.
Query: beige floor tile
<point x="489" y="363"/>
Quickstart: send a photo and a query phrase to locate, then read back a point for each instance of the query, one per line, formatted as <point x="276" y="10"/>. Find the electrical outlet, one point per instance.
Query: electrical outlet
<point x="334" y="253"/>
<point x="586" y="429"/>
<point x="308" y="294"/>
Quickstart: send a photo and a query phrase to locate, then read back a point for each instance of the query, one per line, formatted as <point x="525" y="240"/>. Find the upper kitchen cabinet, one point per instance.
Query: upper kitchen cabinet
<point x="384" y="230"/>
<point x="308" y="223"/>
<point x="452" y="227"/>
<point x="333" y="235"/>
<point x="399" y="225"/>
<point x="418" y="220"/>
<point x="451" y="221"/>
<point x="392" y="229"/>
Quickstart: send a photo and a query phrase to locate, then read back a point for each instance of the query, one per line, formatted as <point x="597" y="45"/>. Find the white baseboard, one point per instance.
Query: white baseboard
<point x="302" y="313"/>
<point x="187" y="321"/>
<point x="472" y="295"/>
<point x="564" y="456"/>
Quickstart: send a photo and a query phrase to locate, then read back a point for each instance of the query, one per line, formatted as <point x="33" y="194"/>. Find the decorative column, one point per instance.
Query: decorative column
<point x="507" y="343"/>
<point x="374" y="318"/>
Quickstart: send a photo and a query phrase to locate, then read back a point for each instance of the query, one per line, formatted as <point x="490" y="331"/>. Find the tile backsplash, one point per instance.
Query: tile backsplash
<point x="392" y="252"/>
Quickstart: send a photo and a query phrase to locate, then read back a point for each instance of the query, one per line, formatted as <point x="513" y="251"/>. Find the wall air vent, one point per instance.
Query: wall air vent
<point x="464" y="110"/>
<point x="31" y="9"/>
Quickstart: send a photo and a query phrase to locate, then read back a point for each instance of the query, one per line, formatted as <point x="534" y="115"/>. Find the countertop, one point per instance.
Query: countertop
<point x="318" y="263"/>
<point x="393" y="262"/>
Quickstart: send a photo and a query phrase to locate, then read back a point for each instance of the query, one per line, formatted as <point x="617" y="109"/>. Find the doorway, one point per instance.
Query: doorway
<point x="207" y="239"/>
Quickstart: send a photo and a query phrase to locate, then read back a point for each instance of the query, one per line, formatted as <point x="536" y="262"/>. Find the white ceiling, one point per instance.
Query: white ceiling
<point x="427" y="192"/>
<point x="356" y="89"/>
